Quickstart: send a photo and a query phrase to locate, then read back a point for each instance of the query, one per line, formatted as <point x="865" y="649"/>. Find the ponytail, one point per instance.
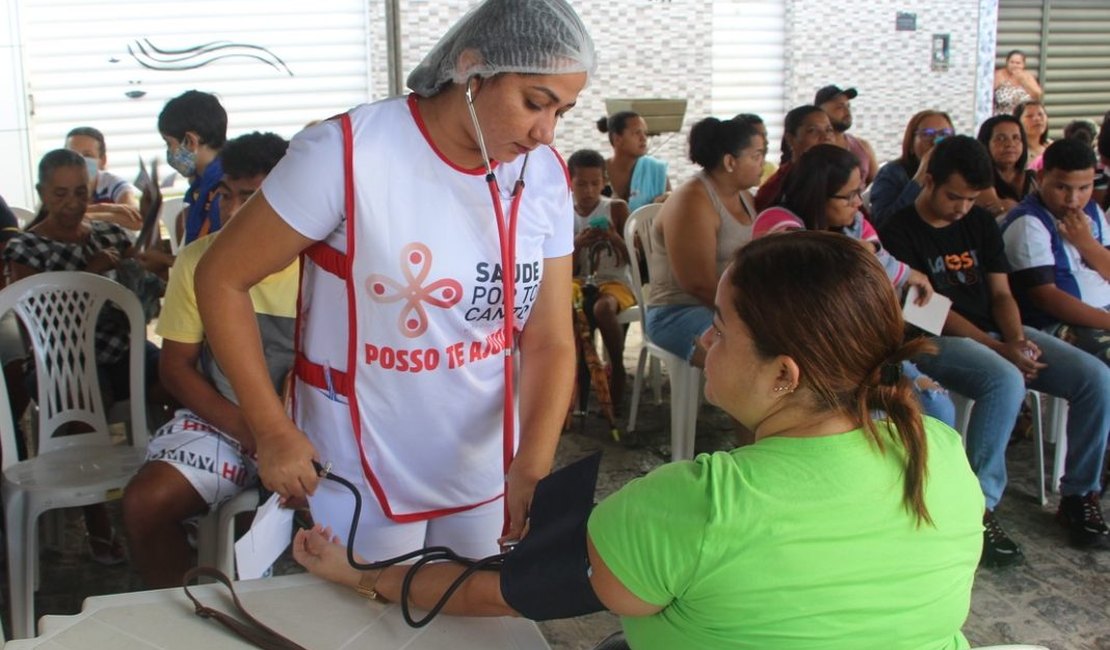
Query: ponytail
<point x="886" y="390"/>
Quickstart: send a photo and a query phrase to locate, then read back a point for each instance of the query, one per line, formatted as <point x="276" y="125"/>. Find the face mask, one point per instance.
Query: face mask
<point x="182" y="160"/>
<point x="92" y="165"/>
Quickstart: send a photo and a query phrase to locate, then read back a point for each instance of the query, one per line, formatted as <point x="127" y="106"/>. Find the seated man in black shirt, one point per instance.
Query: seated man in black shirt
<point x="987" y="355"/>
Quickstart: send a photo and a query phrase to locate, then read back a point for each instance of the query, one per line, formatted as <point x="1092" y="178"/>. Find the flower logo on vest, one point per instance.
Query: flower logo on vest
<point x="416" y="265"/>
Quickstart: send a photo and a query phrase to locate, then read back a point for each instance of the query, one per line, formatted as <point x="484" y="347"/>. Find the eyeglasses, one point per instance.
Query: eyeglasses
<point x="854" y="195"/>
<point x="933" y="134"/>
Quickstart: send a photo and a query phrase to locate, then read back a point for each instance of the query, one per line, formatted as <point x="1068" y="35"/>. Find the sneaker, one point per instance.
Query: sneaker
<point x="1082" y="516"/>
<point x="998" y="549"/>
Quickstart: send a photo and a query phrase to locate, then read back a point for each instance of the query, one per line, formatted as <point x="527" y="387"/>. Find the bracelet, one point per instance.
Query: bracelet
<point x="369" y="591"/>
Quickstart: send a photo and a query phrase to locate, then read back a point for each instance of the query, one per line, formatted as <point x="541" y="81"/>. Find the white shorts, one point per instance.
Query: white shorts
<point x="471" y="533"/>
<point x="210" y="460"/>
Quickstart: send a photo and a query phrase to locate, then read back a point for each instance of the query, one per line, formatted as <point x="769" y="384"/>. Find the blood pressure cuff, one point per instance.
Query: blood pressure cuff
<point x="547" y="574"/>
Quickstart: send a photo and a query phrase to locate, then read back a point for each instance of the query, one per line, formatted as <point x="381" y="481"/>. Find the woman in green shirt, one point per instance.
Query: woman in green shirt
<point x="841" y="527"/>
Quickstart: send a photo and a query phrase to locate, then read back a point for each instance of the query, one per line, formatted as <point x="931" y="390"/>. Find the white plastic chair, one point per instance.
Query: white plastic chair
<point x="23" y="215"/>
<point x="168" y="216"/>
<point x="1057" y="417"/>
<point x="685" y="378"/>
<point x="216" y="532"/>
<point x="59" y="311"/>
<point x="1058" y="433"/>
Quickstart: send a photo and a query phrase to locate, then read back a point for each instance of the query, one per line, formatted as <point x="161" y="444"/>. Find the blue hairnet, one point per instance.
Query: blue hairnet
<point x="519" y="36"/>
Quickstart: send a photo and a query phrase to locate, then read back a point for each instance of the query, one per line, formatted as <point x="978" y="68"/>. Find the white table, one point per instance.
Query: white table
<point x="315" y="614"/>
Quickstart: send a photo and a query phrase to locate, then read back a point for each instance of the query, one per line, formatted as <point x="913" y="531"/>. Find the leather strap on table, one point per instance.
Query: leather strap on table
<point x="251" y="630"/>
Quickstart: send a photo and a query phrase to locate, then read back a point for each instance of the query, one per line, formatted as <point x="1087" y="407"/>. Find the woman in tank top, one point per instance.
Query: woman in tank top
<point x="712" y="212"/>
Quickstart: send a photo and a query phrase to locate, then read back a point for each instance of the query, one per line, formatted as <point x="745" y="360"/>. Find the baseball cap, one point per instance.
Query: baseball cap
<point x="828" y="92"/>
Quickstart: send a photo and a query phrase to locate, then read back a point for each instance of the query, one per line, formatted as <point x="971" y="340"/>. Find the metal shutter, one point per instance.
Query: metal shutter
<point x="1068" y="43"/>
<point x="749" y="62"/>
<point x="79" y="71"/>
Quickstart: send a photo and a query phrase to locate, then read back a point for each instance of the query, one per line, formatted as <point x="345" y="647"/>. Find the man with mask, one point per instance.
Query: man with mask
<point x="111" y="198"/>
<point x="837" y="103"/>
<point x="194" y="127"/>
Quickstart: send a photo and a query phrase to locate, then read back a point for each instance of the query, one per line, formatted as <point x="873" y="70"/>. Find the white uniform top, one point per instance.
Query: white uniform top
<point x="427" y="318"/>
<point x="1029" y="245"/>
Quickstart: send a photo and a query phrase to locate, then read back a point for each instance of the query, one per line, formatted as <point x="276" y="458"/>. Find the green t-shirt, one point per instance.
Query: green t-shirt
<point x="797" y="543"/>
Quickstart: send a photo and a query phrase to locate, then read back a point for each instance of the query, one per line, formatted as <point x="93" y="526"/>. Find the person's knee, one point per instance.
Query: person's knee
<point x="1005" y="382"/>
<point x="1097" y="375"/>
<point x="605" y="309"/>
<point x="157" y="495"/>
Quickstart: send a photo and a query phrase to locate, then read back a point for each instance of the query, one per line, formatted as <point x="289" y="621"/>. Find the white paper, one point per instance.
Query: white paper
<point x="267" y="539"/>
<point x="929" y="317"/>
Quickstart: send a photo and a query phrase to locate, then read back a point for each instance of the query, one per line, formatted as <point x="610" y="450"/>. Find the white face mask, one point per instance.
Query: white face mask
<point x="92" y="165"/>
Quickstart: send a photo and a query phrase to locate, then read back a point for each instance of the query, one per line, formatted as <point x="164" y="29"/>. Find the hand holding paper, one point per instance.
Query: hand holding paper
<point x="930" y="316"/>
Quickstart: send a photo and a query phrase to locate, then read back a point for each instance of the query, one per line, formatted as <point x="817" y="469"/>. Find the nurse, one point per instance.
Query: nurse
<point x="412" y="214"/>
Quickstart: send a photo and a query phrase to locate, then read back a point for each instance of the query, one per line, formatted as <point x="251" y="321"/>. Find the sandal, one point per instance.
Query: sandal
<point x="108" y="552"/>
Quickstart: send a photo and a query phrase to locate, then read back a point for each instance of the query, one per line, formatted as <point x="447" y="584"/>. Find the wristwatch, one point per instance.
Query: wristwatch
<point x="367" y="587"/>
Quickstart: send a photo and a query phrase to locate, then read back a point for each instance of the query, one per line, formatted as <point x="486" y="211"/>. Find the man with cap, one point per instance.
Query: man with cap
<point x="837" y="103"/>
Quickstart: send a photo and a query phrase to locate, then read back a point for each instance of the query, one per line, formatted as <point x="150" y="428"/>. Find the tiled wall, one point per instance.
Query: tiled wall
<point x="854" y="43"/>
<point x="663" y="48"/>
<point x="647" y="48"/>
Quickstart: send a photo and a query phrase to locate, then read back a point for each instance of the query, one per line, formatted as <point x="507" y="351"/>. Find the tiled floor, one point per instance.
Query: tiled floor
<point x="1060" y="598"/>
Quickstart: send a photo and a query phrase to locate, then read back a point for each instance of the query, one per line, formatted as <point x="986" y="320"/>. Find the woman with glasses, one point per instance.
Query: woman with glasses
<point x="1004" y="138"/>
<point x="805" y="127"/>
<point x="825" y="193"/>
<point x="899" y="182"/>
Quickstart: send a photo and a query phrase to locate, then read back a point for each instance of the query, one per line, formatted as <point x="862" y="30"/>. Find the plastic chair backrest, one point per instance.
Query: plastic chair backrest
<point x="59" y="311"/>
<point x="23" y="216"/>
<point x="168" y="214"/>
<point x="639" y="224"/>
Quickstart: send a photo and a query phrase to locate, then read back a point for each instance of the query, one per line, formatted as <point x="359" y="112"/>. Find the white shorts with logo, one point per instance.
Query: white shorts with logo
<point x="212" y="462"/>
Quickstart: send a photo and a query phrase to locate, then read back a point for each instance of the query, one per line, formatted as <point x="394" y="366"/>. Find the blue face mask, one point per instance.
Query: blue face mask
<point x="182" y="160"/>
<point x="92" y="165"/>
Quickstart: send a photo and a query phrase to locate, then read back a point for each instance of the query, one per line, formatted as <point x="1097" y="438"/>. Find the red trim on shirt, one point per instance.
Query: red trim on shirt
<point x="328" y="258"/>
<point x="316" y="375"/>
<point x="415" y="111"/>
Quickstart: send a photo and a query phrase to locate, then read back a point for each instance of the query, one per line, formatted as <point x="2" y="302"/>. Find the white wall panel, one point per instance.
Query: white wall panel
<point x="80" y="70"/>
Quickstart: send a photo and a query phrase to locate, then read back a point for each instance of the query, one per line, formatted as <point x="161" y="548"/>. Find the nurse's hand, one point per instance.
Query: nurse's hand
<point x="285" y="461"/>
<point x="521" y="484"/>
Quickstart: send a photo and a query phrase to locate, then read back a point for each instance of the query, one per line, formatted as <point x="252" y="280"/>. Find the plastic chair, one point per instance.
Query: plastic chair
<point x="23" y="216"/>
<point x="216" y="531"/>
<point x="1058" y="433"/>
<point x="168" y="215"/>
<point x="59" y="311"/>
<point x="685" y="378"/>
<point x="1057" y="411"/>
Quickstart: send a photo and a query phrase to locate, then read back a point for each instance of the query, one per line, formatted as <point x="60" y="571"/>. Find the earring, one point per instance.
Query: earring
<point x="787" y="388"/>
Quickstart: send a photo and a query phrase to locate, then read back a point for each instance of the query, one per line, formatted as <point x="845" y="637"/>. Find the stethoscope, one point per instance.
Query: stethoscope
<point x="506" y="234"/>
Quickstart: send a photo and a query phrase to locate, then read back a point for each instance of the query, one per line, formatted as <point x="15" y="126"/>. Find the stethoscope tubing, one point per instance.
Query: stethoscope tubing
<point x="506" y="234"/>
